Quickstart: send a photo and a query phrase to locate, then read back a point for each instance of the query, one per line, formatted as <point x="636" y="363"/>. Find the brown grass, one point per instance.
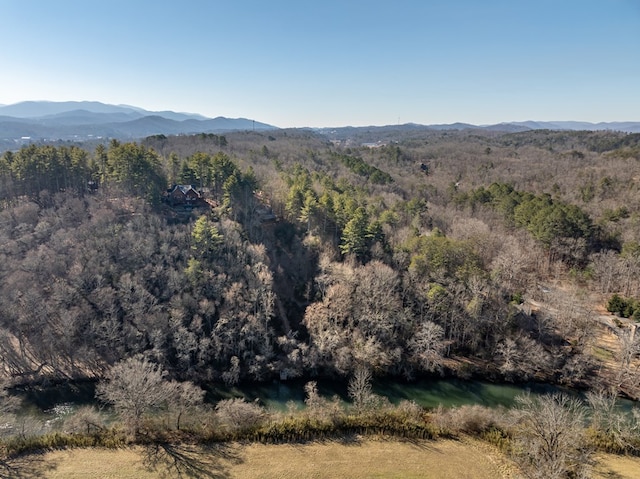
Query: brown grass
<point x="367" y="458"/>
<point x="617" y="467"/>
<point x="96" y="464"/>
<point x="443" y="459"/>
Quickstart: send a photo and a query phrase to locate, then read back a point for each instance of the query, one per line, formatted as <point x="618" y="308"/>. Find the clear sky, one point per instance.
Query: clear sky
<point x="295" y="63"/>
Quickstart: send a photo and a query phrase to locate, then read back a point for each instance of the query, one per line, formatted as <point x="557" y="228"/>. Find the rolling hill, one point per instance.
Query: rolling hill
<point x="35" y="120"/>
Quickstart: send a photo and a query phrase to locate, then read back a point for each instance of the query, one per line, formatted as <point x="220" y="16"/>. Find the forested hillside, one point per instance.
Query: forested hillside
<point x="446" y="252"/>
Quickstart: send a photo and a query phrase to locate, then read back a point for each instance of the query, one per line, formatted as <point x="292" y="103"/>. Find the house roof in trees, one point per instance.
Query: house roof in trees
<point x="186" y="190"/>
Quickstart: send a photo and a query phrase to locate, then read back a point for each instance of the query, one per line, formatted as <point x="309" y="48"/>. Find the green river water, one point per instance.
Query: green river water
<point x="426" y="393"/>
<point x="281" y="395"/>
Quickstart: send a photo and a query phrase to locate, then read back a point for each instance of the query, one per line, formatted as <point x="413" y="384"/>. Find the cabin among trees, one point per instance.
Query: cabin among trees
<point x="184" y="195"/>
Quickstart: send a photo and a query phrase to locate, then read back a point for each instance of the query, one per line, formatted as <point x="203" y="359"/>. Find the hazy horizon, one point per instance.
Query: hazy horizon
<point x="562" y="123"/>
<point x="332" y="64"/>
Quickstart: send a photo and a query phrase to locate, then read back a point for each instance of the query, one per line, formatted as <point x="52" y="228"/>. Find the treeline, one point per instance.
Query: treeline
<point x="36" y="168"/>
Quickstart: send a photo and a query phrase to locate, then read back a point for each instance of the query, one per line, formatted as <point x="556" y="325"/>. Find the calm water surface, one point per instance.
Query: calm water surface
<point x="426" y="393"/>
<point x="281" y="395"/>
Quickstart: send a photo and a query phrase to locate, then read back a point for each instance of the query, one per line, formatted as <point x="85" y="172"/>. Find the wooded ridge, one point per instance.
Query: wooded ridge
<point x="442" y="252"/>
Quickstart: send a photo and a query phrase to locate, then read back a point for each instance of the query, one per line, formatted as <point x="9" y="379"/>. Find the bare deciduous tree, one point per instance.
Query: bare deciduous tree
<point x="521" y="357"/>
<point x="607" y="418"/>
<point x="84" y="420"/>
<point x="232" y="375"/>
<point x="187" y="397"/>
<point x="628" y="376"/>
<point x="361" y="392"/>
<point x="428" y="345"/>
<point x="606" y="268"/>
<point x="319" y="407"/>
<point x="238" y="415"/>
<point x="135" y="387"/>
<point x="508" y="354"/>
<point x="550" y="434"/>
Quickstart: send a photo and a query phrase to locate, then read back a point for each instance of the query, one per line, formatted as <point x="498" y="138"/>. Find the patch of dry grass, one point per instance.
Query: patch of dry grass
<point x="368" y="459"/>
<point x="611" y="466"/>
<point x="356" y="459"/>
<point x="96" y="464"/>
<point x="443" y="459"/>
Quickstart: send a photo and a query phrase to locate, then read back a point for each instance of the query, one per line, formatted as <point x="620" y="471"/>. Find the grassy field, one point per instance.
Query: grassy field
<point x="443" y="459"/>
<point x="617" y="467"/>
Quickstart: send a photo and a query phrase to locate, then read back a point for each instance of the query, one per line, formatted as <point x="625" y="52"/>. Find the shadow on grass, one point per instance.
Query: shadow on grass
<point x="28" y="466"/>
<point x="189" y="460"/>
<point x="611" y="475"/>
<point x="349" y="440"/>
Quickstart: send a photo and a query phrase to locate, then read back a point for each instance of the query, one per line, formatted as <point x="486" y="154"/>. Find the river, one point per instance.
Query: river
<point x="279" y="395"/>
<point x="428" y="393"/>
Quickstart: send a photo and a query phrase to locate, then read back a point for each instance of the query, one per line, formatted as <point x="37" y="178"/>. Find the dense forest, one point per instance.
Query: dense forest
<point x="463" y="253"/>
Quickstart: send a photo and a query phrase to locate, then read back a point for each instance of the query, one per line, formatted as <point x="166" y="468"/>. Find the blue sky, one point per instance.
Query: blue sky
<point x="331" y="63"/>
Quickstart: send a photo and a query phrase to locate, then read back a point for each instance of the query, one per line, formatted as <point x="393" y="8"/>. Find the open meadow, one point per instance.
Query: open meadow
<point x="357" y="459"/>
<point x="442" y="459"/>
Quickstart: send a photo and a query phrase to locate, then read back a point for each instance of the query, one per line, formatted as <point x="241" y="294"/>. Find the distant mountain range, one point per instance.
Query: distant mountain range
<point x="626" y="126"/>
<point x="86" y="120"/>
<point x="376" y="135"/>
<point x="42" y="120"/>
<point x="509" y="127"/>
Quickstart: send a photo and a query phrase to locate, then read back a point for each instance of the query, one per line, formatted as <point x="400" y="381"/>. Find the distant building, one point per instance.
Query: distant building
<point x="184" y="195"/>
